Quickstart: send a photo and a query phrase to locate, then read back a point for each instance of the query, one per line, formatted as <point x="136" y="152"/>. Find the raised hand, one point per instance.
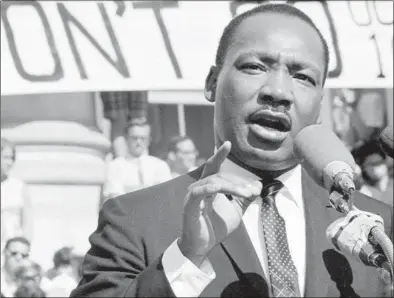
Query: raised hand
<point x="209" y="218"/>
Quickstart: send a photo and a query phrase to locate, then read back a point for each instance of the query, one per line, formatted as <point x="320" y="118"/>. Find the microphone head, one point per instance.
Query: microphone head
<point x="386" y="141"/>
<point x="317" y="146"/>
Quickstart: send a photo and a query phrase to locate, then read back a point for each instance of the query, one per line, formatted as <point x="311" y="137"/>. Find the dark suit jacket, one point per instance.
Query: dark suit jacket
<point x="135" y="229"/>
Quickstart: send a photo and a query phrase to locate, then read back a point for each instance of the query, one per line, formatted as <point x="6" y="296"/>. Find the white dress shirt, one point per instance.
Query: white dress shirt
<point x="8" y="286"/>
<point x="61" y="285"/>
<point x="15" y="203"/>
<point x="187" y="280"/>
<point x="130" y="174"/>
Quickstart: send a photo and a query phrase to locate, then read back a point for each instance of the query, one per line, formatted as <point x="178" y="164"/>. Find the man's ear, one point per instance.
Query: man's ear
<point x="210" y="84"/>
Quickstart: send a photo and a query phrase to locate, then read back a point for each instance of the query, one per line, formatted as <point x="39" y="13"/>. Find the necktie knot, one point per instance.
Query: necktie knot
<point x="271" y="188"/>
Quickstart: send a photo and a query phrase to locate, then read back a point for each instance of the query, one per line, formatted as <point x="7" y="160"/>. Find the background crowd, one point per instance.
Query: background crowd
<point x="23" y="277"/>
<point x="64" y="152"/>
<point x="130" y="167"/>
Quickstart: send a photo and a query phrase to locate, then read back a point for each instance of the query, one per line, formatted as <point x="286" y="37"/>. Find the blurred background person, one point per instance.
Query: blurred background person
<point x="62" y="275"/>
<point x="29" y="290"/>
<point x="137" y="169"/>
<point x="16" y="209"/>
<point x="182" y="155"/>
<point x="30" y="280"/>
<point x="62" y="261"/>
<point x="358" y="115"/>
<point x="15" y="255"/>
<point x="376" y="180"/>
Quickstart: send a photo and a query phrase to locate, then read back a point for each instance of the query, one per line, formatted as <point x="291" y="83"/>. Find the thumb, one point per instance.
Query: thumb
<point x="213" y="164"/>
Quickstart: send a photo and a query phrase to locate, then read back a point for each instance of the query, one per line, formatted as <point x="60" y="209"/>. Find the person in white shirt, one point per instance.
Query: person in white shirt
<point x="15" y="255"/>
<point x="16" y="207"/>
<point x="137" y="169"/>
<point x="250" y="222"/>
<point x="62" y="276"/>
<point x="182" y="155"/>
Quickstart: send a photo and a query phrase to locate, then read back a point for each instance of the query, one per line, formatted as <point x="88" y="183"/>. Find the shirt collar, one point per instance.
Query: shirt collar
<point x="143" y="154"/>
<point x="290" y="179"/>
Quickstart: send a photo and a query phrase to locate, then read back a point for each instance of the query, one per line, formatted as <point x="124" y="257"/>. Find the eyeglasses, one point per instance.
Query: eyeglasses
<point x="187" y="152"/>
<point x="16" y="253"/>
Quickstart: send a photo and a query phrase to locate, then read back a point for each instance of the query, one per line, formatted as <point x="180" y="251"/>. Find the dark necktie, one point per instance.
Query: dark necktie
<point x="282" y="271"/>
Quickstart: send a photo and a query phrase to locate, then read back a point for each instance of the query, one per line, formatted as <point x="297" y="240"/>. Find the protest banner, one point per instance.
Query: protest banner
<point x="82" y="46"/>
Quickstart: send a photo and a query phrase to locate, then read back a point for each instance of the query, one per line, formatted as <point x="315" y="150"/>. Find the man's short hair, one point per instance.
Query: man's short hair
<point x="63" y="257"/>
<point x="174" y="141"/>
<point x="368" y="149"/>
<point x="283" y="9"/>
<point x="140" y="121"/>
<point x="5" y="143"/>
<point x="16" y="239"/>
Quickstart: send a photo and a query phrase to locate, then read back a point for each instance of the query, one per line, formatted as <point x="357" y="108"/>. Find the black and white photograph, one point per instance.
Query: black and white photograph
<point x="197" y="148"/>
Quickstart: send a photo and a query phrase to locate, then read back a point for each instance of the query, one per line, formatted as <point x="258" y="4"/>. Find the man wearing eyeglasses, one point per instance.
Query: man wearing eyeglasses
<point x="182" y="155"/>
<point x="16" y="253"/>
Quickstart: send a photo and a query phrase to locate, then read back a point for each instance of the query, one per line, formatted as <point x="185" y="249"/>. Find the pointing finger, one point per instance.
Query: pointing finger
<point x="212" y="165"/>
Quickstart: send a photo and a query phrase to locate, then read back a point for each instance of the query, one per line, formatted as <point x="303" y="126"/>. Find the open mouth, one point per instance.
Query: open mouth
<point x="272" y="121"/>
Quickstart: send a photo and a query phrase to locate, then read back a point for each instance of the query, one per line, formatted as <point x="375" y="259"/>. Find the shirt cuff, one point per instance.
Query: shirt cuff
<point x="185" y="278"/>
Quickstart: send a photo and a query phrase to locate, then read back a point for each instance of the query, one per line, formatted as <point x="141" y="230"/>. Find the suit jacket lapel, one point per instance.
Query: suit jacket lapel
<point x="317" y="219"/>
<point x="237" y="253"/>
<point x="239" y="249"/>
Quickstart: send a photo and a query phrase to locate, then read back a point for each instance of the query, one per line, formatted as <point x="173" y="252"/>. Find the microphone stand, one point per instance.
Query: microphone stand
<point x="342" y="203"/>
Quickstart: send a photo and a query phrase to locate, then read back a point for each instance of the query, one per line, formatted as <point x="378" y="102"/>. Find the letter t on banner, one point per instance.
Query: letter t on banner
<point x="157" y="6"/>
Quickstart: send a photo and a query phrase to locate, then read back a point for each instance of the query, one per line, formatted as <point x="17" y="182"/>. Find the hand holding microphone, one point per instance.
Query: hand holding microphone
<point x="351" y="235"/>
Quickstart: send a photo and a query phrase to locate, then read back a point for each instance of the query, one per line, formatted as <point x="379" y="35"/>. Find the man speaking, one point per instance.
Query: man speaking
<point x="217" y="232"/>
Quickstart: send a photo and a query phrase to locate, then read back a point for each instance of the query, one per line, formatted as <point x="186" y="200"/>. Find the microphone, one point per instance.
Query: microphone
<point x="327" y="160"/>
<point x="361" y="235"/>
<point x="386" y="141"/>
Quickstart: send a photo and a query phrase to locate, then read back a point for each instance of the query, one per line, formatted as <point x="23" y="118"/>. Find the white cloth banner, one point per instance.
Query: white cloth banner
<point x="168" y="45"/>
